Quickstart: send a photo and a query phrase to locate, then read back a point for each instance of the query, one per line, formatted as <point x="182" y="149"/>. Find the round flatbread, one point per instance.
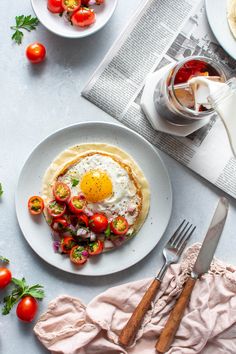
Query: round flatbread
<point x="231" y="16"/>
<point x="69" y="157"/>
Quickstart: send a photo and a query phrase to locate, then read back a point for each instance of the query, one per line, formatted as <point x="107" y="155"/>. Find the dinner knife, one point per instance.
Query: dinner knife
<point x="201" y="266"/>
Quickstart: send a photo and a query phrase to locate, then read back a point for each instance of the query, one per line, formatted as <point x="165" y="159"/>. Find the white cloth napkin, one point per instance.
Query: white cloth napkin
<point x="208" y="325"/>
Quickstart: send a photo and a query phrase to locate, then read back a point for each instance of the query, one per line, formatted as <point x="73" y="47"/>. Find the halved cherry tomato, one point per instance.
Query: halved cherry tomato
<point x="83" y="17"/>
<point x="35" y="205"/>
<point x="59" y="224"/>
<point x="83" y="220"/>
<point x="98" y="223"/>
<point x="36" y="52"/>
<point x="61" y="192"/>
<point x="27" y="308"/>
<point x="95" y="248"/>
<point x="67" y="243"/>
<point x="99" y="2"/>
<point x="76" y="204"/>
<point x="78" y="255"/>
<point x="55" y="6"/>
<point x="5" y="277"/>
<point x="71" y="5"/>
<point x="56" y="209"/>
<point x="119" y="226"/>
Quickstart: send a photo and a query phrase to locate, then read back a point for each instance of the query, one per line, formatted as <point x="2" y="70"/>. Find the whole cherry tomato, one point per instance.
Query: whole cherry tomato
<point x="98" y="223"/>
<point x="83" y="17"/>
<point x="5" y="277"/>
<point x="55" y="6"/>
<point x="36" y="52"/>
<point x="27" y="308"/>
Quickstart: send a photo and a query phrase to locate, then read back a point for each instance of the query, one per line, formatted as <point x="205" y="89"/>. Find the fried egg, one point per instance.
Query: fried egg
<point x="107" y="184"/>
<point x="108" y="177"/>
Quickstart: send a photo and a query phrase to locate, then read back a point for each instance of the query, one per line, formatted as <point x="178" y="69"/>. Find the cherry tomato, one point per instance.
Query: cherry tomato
<point x="5" y="277"/>
<point x="85" y="2"/>
<point x="61" y="192"/>
<point x="36" y="53"/>
<point x="59" y="224"/>
<point x="56" y="209"/>
<point x="67" y="243"/>
<point x="76" y="204"/>
<point x="95" y="248"/>
<point x="55" y="6"/>
<point x="35" y="205"/>
<point x="27" y="308"/>
<point x="98" y="223"/>
<point x="119" y="226"/>
<point x="99" y="2"/>
<point x="71" y="5"/>
<point x="83" y="220"/>
<point x="78" y="255"/>
<point x="83" y="17"/>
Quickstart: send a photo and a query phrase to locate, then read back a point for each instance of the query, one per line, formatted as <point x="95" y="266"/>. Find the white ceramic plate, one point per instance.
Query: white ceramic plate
<point x="37" y="232"/>
<point x="217" y="18"/>
<point x="63" y="28"/>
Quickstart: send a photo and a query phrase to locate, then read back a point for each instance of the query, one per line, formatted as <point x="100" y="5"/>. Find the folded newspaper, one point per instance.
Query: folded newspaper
<point x="162" y="32"/>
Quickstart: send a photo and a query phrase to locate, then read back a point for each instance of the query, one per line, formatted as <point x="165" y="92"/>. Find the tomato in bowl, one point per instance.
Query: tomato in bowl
<point x="52" y="17"/>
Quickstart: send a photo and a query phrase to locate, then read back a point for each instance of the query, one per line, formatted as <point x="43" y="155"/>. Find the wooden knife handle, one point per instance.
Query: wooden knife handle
<point x="173" y="322"/>
<point x="128" y="333"/>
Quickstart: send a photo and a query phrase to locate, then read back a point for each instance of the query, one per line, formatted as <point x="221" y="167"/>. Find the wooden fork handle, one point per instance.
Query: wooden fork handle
<point x="128" y="333"/>
<point x="167" y="335"/>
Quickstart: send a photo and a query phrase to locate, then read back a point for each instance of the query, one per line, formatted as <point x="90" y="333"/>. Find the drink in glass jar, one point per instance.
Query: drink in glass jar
<point x="177" y="99"/>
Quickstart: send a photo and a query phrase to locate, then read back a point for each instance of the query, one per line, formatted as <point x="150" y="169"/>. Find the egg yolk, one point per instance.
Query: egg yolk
<point x="96" y="186"/>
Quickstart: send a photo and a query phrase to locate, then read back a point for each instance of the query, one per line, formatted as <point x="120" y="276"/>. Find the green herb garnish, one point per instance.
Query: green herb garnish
<point x="4" y="260"/>
<point x="107" y="232"/>
<point x="74" y="182"/>
<point x="20" y="290"/>
<point x="1" y="190"/>
<point x="27" y="23"/>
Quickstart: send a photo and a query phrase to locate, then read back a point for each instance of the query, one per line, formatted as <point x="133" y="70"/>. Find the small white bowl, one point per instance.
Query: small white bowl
<point x="63" y="28"/>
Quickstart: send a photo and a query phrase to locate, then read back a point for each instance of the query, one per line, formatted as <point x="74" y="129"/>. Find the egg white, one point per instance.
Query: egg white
<point x="124" y="200"/>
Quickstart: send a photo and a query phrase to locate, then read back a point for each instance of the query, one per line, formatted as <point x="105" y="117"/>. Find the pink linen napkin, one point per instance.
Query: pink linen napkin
<point x="208" y="325"/>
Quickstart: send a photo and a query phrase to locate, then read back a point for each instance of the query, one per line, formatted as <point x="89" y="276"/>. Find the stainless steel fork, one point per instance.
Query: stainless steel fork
<point x="171" y="253"/>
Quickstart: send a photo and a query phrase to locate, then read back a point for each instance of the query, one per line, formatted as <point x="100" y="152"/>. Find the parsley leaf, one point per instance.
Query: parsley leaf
<point x="4" y="260"/>
<point x="74" y="182"/>
<point x="107" y="232"/>
<point x="27" y="23"/>
<point x="20" y="290"/>
<point x="1" y="190"/>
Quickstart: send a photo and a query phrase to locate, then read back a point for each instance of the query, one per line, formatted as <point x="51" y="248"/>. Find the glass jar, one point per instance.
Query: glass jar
<point x="168" y="103"/>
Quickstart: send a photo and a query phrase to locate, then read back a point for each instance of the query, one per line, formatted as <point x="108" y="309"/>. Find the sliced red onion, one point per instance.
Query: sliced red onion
<point x="85" y="253"/>
<point x="81" y="196"/>
<point x="82" y="232"/>
<point x="56" y="246"/>
<point x="108" y="244"/>
<point x="92" y="236"/>
<point x="88" y="212"/>
<point x="55" y="236"/>
<point x="131" y="209"/>
<point x="119" y="241"/>
<point x="71" y="228"/>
